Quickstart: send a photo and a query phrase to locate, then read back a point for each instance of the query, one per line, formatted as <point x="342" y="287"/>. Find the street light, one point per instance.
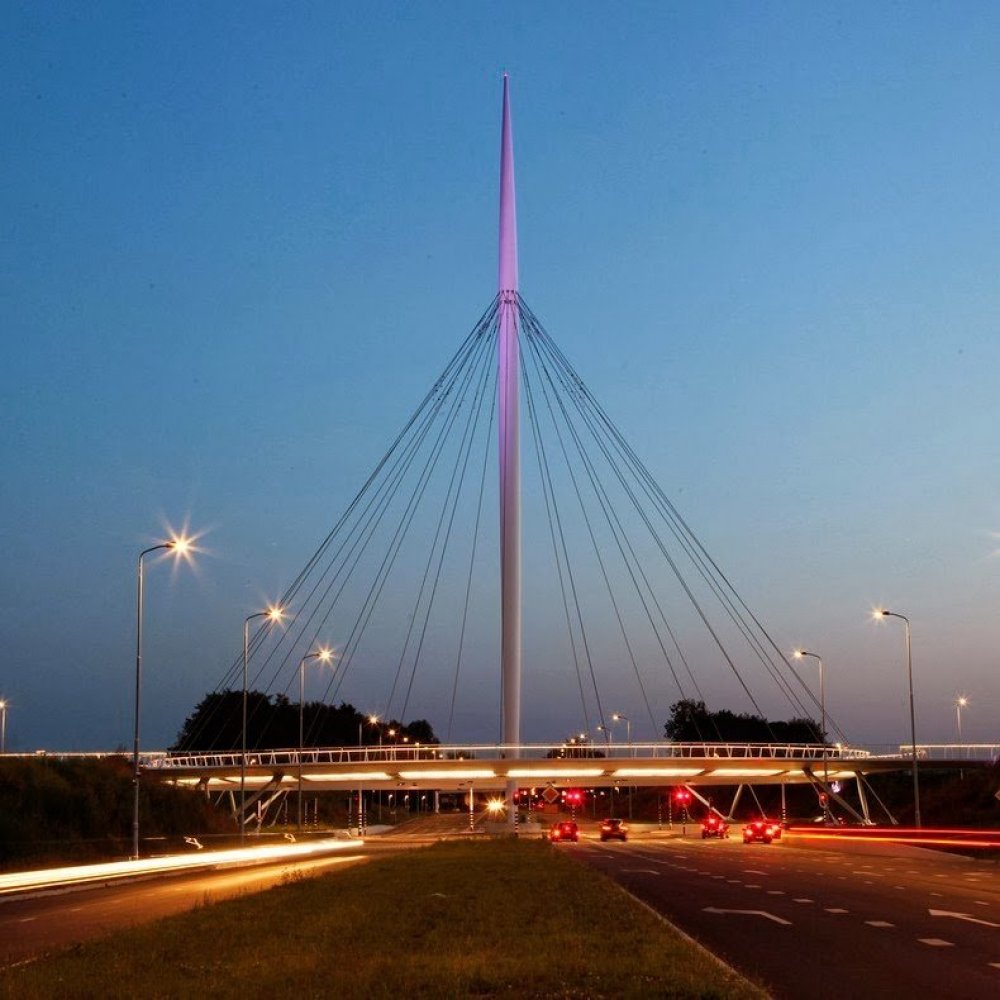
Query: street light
<point x="618" y="717"/>
<point x="324" y="655"/>
<point x="3" y="726"/>
<point x="181" y="546"/>
<point x="799" y="654"/>
<point x="878" y="615"/>
<point x="273" y="615"/>
<point x="960" y="702"/>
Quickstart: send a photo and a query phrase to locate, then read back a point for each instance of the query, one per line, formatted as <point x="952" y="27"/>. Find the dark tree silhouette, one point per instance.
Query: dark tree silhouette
<point x="691" y="721"/>
<point x="273" y="724"/>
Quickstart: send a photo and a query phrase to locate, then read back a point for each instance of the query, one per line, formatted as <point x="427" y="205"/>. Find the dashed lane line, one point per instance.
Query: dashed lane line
<point x="775" y="892"/>
<point x="836" y="909"/>
<point x="936" y="942"/>
<point x="879" y="923"/>
<point x="804" y="899"/>
<point x="751" y="886"/>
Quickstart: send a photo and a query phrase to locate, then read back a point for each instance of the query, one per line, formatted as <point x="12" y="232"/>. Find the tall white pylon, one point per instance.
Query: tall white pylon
<point x="509" y="375"/>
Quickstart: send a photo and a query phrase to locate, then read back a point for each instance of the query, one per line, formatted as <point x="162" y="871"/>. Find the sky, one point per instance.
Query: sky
<point x="241" y="240"/>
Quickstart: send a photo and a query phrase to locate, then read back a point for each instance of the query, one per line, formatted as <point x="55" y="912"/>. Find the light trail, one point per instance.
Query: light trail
<point x="936" y="837"/>
<point x="51" y="878"/>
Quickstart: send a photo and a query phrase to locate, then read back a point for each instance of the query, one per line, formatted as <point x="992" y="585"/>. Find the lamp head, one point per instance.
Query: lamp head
<point x="325" y="654"/>
<point x="181" y="545"/>
<point x="961" y="701"/>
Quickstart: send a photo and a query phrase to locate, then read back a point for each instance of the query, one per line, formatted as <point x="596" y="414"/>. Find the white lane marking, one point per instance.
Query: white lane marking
<point x="26" y="920"/>
<point x="996" y="965"/>
<point x="641" y="871"/>
<point x="775" y="892"/>
<point x="879" y="923"/>
<point x="899" y="887"/>
<point x="752" y="913"/>
<point x="734" y="881"/>
<point x="936" y="942"/>
<point x="836" y="909"/>
<point x="718" y="876"/>
<point x="749" y="886"/>
<point x="803" y="900"/>
<point x="962" y="916"/>
<point x="980" y="902"/>
<point x="934" y="894"/>
<point x="753" y="871"/>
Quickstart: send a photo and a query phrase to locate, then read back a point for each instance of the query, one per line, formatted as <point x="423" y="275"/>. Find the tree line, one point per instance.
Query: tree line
<point x="216" y="725"/>
<point x="691" y="722"/>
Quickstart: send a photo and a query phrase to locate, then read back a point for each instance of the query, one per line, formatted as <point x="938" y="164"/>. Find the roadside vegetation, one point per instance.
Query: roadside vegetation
<point x="482" y="919"/>
<point x="78" y="809"/>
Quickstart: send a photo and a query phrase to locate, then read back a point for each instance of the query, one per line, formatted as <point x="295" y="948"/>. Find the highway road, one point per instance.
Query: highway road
<point x="44" y="922"/>
<point x="817" y="923"/>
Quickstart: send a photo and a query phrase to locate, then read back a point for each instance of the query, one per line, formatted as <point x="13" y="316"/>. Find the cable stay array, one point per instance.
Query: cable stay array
<point x="622" y="603"/>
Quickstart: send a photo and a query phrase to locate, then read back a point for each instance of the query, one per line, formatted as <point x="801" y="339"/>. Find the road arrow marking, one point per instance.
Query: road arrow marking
<point x="750" y="913"/>
<point x="962" y="916"/>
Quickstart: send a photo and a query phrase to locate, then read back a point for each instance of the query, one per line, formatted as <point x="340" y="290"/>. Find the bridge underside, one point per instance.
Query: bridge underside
<point x="494" y="775"/>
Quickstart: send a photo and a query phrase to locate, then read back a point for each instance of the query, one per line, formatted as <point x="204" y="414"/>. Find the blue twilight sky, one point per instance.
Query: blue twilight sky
<point x="241" y="239"/>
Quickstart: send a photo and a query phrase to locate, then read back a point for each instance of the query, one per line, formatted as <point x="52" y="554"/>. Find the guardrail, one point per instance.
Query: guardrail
<point x="538" y="751"/>
<point x="953" y="751"/>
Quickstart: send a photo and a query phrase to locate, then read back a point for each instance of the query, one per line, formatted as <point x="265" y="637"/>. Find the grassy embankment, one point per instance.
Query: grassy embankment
<point x="486" y="919"/>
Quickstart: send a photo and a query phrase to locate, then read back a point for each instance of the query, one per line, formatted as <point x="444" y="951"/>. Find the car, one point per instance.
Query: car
<point x="714" y="826"/>
<point x="567" y="830"/>
<point x="614" y="829"/>
<point x="762" y="831"/>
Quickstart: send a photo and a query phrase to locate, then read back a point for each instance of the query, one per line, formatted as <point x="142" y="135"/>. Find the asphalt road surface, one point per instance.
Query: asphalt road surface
<point x="45" y="922"/>
<point x="823" y="924"/>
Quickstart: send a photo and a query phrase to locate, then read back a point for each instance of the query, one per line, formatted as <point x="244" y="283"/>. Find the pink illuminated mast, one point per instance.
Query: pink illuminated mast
<point x="509" y="448"/>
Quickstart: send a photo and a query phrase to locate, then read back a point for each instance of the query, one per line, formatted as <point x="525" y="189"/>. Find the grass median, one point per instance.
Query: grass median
<point x="488" y="919"/>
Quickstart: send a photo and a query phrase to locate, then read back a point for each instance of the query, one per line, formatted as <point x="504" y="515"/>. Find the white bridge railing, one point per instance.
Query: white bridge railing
<point x="539" y="751"/>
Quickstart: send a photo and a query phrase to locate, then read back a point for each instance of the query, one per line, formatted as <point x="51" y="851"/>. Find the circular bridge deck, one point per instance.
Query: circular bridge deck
<point x="488" y="768"/>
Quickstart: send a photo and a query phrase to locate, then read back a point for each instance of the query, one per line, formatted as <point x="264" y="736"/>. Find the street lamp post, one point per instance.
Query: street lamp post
<point x="882" y="613"/>
<point x="618" y="717"/>
<point x="799" y="654"/>
<point x="324" y="655"/>
<point x="179" y="546"/>
<point x="3" y="726"/>
<point x="273" y="614"/>
<point x="960" y="702"/>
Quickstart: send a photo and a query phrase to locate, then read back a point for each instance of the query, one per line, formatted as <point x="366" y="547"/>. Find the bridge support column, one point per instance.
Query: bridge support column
<point x="863" y="799"/>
